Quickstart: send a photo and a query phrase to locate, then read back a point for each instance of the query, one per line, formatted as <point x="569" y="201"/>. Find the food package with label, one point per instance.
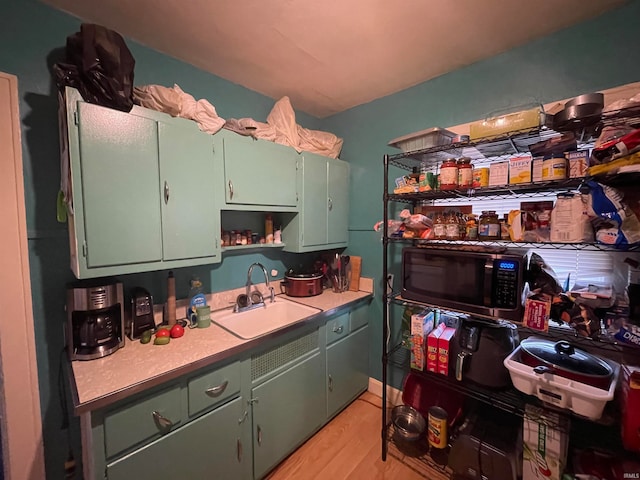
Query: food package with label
<point x="510" y="122"/>
<point x="443" y="350"/>
<point x="570" y="221"/>
<point x="536" y="218"/>
<point x="421" y="325"/>
<point x="545" y="441"/>
<point x="432" y="347"/>
<point x="578" y="163"/>
<point x="520" y="170"/>
<point x="498" y="174"/>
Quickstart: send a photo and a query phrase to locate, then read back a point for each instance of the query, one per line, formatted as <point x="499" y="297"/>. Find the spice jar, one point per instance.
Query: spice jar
<point x="439" y="227"/>
<point x="471" y="227"/>
<point x="465" y="173"/>
<point x="489" y="226"/>
<point x="449" y="174"/>
<point x="452" y="227"/>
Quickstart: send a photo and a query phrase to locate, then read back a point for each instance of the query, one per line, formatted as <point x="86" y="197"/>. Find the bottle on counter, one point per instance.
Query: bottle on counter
<point x="196" y="299"/>
<point x="268" y="229"/>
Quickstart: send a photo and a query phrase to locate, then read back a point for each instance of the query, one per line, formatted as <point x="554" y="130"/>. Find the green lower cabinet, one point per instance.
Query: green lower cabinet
<point x="347" y="369"/>
<point x="209" y="447"/>
<point x="287" y="409"/>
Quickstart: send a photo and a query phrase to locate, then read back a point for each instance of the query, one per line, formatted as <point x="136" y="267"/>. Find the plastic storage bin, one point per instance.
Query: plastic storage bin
<point x="431" y="137"/>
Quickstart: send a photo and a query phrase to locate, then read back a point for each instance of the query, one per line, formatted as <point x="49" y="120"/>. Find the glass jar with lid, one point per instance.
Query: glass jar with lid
<point x="471" y="227"/>
<point x="465" y="173"/>
<point x="449" y="174"/>
<point x="439" y="227"/>
<point x="452" y="227"/>
<point x="489" y="226"/>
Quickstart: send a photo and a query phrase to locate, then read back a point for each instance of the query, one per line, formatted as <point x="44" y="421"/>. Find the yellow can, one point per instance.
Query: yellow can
<point x="554" y="169"/>
<point x="480" y="177"/>
<point x="437" y="427"/>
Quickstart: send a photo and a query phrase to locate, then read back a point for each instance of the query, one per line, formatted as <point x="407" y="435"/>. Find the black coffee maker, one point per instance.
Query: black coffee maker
<point x="95" y="318"/>
<point x="139" y="313"/>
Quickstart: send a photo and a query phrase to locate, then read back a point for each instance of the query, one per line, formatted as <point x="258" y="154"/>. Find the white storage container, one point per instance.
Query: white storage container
<point x="431" y="137"/>
<point x="562" y="392"/>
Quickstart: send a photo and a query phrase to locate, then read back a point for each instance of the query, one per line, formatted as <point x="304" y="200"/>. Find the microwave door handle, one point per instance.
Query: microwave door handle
<point x="488" y="280"/>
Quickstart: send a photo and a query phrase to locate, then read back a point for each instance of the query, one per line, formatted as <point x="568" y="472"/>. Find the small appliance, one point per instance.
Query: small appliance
<point x="95" y="318"/>
<point x="482" y="283"/>
<point x="139" y="313"/>
<point x="478" y="351"/>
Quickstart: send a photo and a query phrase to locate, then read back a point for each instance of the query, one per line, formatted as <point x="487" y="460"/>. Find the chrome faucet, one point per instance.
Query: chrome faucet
<point x="254" y="299"/>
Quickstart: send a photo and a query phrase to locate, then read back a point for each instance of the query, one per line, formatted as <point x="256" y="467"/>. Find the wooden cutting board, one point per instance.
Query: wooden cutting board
<point x="356" y="268"/>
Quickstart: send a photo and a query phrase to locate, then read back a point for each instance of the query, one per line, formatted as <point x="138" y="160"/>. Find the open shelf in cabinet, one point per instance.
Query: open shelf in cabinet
<point x="417" y="456"/>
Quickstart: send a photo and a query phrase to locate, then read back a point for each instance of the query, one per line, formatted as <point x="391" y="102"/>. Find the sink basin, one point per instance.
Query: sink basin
<point x="262" y="320"/>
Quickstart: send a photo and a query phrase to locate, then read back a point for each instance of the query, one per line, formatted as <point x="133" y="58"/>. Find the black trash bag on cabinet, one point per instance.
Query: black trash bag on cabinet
<point x="100" y="66"/>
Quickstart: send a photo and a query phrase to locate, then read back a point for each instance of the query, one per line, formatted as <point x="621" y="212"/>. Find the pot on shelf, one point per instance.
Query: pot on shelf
<point x="301" y="284"/>
<point x="563" y="359"/>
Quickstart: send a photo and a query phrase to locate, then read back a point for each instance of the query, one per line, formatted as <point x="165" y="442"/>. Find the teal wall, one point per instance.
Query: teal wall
<point x="32" y="39"/>
<point x="594" y="55"/>
<point x="597" y="54"/>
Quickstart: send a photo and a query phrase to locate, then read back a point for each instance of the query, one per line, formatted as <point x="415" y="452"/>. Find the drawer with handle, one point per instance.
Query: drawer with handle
<point x="337" y="328"/>
<point x="151" y="416"/>
<point x="213" y="388"/>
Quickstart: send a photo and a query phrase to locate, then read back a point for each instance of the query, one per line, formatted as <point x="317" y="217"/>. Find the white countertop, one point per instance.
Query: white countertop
<point x="139" y="366"/>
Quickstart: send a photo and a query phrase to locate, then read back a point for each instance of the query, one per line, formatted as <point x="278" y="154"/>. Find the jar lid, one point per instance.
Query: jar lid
<point x="464" y="160"/>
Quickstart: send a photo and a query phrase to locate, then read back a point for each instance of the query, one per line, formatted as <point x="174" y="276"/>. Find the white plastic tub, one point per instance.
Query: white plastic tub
<point x="431" y="137"/>
<point x="559" y="391"/>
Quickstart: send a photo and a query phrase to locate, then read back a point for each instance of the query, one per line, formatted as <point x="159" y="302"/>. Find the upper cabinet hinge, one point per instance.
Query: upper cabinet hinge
<point x="75" y="117"/>
<point x="85" y="249"/>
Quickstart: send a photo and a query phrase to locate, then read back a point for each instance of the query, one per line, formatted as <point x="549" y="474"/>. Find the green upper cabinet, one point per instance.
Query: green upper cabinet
<point x="259" y="175"/>
<point x="143" y="189"/>
<point x="324" y="213"/>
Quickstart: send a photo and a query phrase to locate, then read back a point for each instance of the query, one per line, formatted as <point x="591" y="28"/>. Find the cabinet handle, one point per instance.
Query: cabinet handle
<point x="330" y="204"/>
<point x="162" y="422"/>
<point x="338" y="329"/>
<point x="166" y="192"/>
<point x="243" y="417"/>
<point x="214" y="392"/>
<point x="259" y="435"/>
<point x="330" y="383"/>
<point x="230" y="190"/>
<point x="239" y="450"/>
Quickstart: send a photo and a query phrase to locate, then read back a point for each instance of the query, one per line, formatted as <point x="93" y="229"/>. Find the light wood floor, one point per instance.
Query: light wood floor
<point x="349" y="447"/>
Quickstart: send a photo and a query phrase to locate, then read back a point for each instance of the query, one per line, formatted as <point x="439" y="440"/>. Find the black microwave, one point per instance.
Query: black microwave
<point x="480" y="283"/>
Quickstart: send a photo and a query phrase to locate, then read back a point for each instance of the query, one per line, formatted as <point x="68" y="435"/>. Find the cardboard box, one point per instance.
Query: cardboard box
<point x="578" y="163"/>
<point x="536" y="218"/>
<point x="421" y="325"/>
<point x="432" y="347"/>
<point x="545" y="441"/>
<point x="443" y="350"/>
<point x="536" y="314"/>
<point x="536" y="170"/>
<point x="498" y="174"/>
<point x="520" y="170"/>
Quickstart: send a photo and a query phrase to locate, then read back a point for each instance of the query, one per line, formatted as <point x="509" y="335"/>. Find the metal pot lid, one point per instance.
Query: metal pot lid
<point x="565" y="356"/>
<point x="302" y="276"/>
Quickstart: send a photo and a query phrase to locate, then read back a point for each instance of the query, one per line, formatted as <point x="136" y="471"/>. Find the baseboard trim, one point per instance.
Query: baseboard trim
<point x="394" y="396"/>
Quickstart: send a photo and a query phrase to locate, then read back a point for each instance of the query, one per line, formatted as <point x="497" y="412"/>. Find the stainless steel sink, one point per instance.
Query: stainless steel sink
<point x="262" y="320"/>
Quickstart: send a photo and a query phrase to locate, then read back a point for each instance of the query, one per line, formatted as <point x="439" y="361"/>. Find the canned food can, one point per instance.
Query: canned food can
<point x="554" y="169"/>
<point x="480" y="177"/>
<point x="437" y="427"/>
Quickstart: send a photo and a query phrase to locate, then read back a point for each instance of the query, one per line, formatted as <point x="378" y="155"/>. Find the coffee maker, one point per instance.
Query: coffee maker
<point x="139" y="313"/>
<point x="95" y="318"/>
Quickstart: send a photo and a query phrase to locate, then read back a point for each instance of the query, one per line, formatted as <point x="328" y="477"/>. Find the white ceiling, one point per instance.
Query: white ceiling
<point x="331" y="55"/>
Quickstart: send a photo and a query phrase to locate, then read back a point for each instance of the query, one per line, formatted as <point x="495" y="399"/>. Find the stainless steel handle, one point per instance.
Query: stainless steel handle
<point x="243" y="417"/>
<point x="239" y="451"/>
<point x="230" y="190"/>
<point x="259" y="431"/>
<point x="330" y="204"/>
<point x="214" y="392"/>
<point x="161" y="421"/>
<point x="338" y="328"/>
<point x="330" y="383"/>
<point x="166" y="192"/>
<point x="488" y="279"/>
<point x="460" y="365"/>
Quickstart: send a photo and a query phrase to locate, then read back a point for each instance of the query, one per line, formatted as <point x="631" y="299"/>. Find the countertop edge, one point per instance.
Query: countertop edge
<point x="118" y="395"/>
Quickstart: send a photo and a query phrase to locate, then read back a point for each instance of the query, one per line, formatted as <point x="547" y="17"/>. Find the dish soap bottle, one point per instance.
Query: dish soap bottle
<point x="196" y="299"/>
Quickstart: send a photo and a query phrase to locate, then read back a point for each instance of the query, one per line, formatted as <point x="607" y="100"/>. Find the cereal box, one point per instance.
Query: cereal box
<point x="421" y="325"/>
<point x="432" y="347"/>
<point x="443" y="350"/>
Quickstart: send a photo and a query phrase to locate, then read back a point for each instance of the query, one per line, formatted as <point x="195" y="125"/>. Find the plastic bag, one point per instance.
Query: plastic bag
<point x="613" y="220"/>
<point x="99" y="65"/>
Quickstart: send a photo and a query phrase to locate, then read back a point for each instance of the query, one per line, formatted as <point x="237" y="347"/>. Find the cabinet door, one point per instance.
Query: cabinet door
<point x="347" y="370"/>
<point x="258" y="172"/>
<point x="287" y="409"/>
<point x="338" y="202"/>
<point x="119" y="196"/>
<point x="209" y="447"/>
<point x="190" y="223"/>
<point x="314" y="200"/>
